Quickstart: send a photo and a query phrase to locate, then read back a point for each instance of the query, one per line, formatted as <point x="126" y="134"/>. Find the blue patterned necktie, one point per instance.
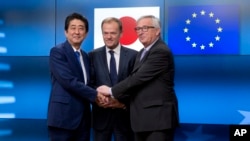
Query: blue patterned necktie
<point x="113" y="72"/>
<point x="78" y="56"/>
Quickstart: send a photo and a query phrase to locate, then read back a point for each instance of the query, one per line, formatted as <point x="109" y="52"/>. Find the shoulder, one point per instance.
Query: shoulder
<point x="62" y="49"/>
<point x="162" y="46"/>
<point x="58" y="48"/>
<point x="61" y="46"/>
<point x="97" y="50"/>
<point x="84" y="53"/>
<point x="129" y="50"/>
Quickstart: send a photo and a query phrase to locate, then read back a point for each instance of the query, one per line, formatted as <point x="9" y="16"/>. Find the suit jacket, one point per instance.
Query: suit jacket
<point x="151" y="84"/>
<point x="70" y="98"/>
<point x="106" y="118"/>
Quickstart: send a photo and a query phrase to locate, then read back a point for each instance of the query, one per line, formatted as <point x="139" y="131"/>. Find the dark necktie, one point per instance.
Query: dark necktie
<point x="113" y="72"/>
<point x="78" y="56"/>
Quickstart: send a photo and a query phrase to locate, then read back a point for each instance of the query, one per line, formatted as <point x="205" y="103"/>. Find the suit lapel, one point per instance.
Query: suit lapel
<point x="123" y="60"/>
<point x="103" y="60"/>
<point x="138" y="63"/>
<point x="86" y="64"/>
<point x="71" y="54"/>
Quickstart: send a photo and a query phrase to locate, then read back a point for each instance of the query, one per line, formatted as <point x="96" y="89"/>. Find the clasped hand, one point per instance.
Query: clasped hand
<point x="105" y="100"/>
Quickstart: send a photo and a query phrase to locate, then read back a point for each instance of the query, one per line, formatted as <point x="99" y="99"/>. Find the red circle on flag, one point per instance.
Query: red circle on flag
<point x="129" y="35"/>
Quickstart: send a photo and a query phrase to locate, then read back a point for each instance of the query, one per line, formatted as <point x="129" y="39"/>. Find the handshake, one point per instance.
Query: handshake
<point x="104" y="98"/>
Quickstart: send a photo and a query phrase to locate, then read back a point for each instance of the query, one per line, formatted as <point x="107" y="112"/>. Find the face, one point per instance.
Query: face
<point x="76" y="33"/>
<point x="111" y="34"/>
<point x="149" y="36"/>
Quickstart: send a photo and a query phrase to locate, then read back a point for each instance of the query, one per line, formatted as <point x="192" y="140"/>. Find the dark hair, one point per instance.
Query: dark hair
<point x="76" y="16"/>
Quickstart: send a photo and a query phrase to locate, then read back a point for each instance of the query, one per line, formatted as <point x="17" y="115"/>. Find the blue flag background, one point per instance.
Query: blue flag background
<point x="200" y="30"/>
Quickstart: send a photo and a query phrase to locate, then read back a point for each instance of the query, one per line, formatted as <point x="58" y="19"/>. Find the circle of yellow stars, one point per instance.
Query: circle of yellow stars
<point x="218" y="30"/>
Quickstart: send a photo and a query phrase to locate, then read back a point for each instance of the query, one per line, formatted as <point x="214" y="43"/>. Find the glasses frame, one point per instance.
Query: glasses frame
<point x="143" y="28"/>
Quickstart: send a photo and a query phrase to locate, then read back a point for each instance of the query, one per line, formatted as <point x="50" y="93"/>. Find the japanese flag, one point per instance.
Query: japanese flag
<point x="128" y="16"/>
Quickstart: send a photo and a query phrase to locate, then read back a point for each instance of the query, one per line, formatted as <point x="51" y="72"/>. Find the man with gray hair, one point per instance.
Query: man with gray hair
<point x="153" y="102"/>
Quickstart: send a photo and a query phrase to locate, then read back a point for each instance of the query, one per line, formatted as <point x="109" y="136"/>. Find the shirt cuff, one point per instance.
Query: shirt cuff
<point x="110" y="91"/>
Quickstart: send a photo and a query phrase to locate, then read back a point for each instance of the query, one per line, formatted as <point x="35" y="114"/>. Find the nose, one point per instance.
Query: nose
<point x="109" y="35"/>
<point x="77" y="31"/>
<point x="139" y="32"/>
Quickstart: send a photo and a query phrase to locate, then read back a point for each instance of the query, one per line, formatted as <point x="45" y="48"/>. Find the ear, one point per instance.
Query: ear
<point x="158" y="32"/>
<point x="65" y="32"/>
<point x="121" y="34"/>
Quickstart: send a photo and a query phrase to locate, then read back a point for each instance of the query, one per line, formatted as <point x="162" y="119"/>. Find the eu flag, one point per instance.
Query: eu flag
<point x="201" y="30"/>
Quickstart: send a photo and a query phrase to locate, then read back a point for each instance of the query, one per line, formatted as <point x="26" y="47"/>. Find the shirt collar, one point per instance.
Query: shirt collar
<point x="148" y="47"/>
<point x="76" y="49"/>
<point x="116" y="50"/>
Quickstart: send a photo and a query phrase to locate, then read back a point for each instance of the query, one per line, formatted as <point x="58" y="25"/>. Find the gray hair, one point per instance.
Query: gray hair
<point x="156" y="22"/>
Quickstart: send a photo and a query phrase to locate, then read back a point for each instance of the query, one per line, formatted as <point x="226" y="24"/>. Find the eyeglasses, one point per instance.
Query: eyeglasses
<point x="143" y="29"/>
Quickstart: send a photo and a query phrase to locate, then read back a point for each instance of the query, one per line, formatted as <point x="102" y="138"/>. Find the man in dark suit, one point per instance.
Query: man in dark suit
<point x="153" y="105"/>
<point x="112" y="118"/>
<point x="69" y="105"/>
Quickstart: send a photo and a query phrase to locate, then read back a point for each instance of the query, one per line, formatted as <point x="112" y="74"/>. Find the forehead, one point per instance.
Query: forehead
<point x="110" y="26"/>
<point x="76" y="22"/>
<point x="110" y="23"/>
<point x="144" y="21"/>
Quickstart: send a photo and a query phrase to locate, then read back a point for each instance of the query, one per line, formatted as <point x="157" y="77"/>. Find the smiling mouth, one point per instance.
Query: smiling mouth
<point x="109" y="41"/>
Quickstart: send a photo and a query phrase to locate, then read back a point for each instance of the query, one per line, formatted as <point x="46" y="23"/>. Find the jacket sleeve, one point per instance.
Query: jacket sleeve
<point x="62" y="72"/>
<point x="150" y="69"/>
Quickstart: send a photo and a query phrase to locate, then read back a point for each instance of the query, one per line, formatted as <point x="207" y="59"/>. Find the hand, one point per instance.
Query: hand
<point x="102" y="99"/>
<point x="105" y="90"/>
<point x="114" y="103"/>
<point x="102" y="104"/>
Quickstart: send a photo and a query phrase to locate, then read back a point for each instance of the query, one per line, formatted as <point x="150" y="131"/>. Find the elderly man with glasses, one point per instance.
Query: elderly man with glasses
<point x="153" y="102"/>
